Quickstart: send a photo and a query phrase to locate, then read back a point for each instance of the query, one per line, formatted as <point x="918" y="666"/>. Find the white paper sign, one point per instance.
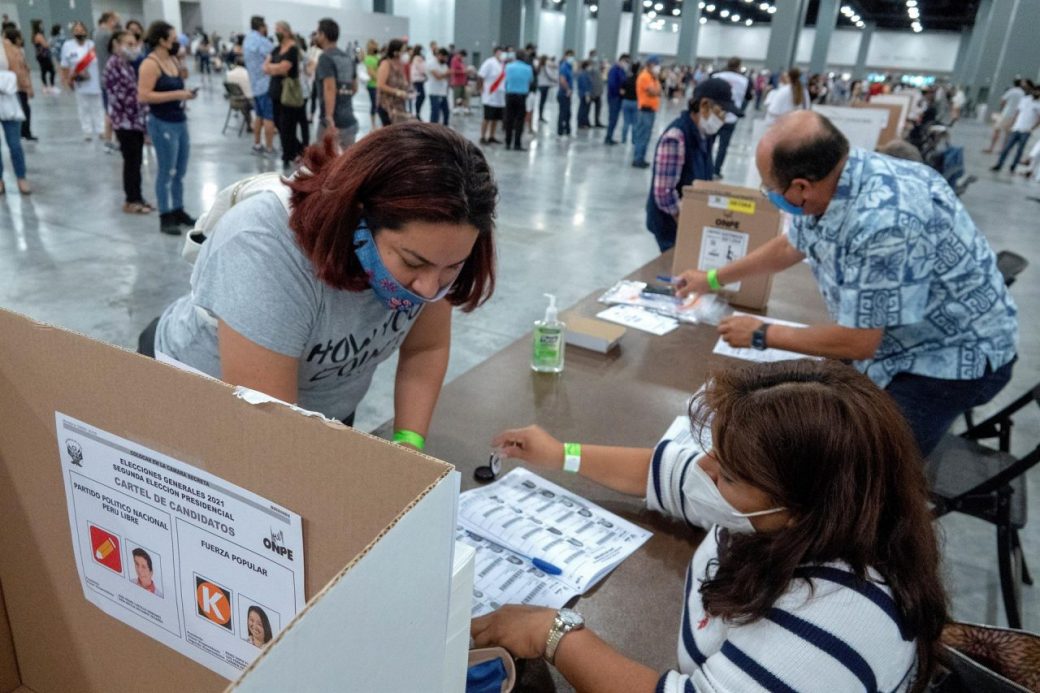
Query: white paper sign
<point x="639" y="319"/>
<point x="207" y="568"/>
<point x="719" y="247"/>
<point x="761" y="356"/>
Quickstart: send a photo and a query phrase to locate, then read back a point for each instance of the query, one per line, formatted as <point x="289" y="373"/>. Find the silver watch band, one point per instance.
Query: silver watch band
<point x="553" y="643"/>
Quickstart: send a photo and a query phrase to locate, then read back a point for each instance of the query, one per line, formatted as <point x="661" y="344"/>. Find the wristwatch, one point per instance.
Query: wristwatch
<point x="758" y="337"/>
<point x="566" y="620"/>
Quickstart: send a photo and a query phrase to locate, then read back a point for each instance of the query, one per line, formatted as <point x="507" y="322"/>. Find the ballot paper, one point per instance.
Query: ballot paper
<point x="523" y="516"/>
<point x="763" y="355"/>
<point x="639" y="319"/>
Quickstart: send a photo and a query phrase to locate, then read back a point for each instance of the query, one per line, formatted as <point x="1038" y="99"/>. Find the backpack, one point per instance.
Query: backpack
<point x="225" y="200"/>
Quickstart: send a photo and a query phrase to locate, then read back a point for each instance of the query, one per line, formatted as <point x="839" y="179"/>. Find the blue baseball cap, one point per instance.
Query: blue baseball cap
<point x="653" y="60"/>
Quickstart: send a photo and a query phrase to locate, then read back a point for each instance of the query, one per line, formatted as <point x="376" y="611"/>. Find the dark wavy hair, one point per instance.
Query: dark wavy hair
<point x="398" y="174"/>
<point x="264" y="621"/>
<point x="834" y="450"/>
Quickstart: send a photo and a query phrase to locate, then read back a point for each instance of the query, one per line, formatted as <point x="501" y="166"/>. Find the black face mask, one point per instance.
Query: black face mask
<point x="80" y="37"/>
<point x="175" y="48"/>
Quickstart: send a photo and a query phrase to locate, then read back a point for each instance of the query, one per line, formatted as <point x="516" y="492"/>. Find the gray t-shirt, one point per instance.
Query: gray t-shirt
<point x="252" y="275"/>
<point x="335" y="63"/>
<point x="101" y="38"/>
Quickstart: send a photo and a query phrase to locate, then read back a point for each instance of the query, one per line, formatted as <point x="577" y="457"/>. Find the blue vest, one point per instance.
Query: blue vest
<point x="696" y="166"/>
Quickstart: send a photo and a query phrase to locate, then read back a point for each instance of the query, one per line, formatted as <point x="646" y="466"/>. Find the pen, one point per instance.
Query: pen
<point x="544" y="566"/>
<point x="674" y="281"/>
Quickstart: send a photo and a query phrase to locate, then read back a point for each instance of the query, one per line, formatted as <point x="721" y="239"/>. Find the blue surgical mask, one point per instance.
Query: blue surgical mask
<point x="386" y="287"/>
<point x="781" y="202"/>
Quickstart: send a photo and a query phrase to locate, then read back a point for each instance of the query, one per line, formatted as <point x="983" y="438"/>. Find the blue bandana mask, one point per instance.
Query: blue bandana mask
<point x="781" y="202"/>
<point x="387" y="288"/>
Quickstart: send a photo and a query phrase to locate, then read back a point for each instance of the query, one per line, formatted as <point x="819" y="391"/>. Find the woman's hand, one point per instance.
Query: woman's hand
<point x="532" y="445"/>
<point x="523" y="630"/>
<point x="188" y="94"/>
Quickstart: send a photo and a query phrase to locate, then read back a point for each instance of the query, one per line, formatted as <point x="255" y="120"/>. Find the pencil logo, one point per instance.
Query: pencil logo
<point x="105" y="548"/>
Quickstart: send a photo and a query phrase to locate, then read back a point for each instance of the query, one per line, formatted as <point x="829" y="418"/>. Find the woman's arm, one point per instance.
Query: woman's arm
<point x="244" y="362"/>
<point x="421" y="366"/>
<point x="146" y="80"/>
<point x="622" y="469"/>
<point x="588" y="663"/>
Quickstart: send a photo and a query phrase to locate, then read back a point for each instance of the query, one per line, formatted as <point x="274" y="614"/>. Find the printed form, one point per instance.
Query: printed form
<point x="523" y="516"/>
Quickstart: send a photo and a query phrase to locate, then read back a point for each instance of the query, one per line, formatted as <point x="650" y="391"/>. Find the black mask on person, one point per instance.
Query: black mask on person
<point x="80" y="37"/>
<point x="175" y="48"/>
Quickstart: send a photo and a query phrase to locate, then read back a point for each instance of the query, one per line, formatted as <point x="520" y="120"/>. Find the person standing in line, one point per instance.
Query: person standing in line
<point x="584" y="95"/>
<point x="519" y="77"/>
<point x="107" y="24"/>
<point x="371" y="63"/>
<point x="160" y="85"/>
<point x="336" y="78"/>
<point x="548" y="77"/>
<point x="57" y="41"/>
<point x="683" y="155"/>
<point x="615" y="83"/>
<point x="531" y="103"/>
<point x="459" y="77"/>
<point x="11" y="116"/>
<point x="15" y="50"/>
<point x="310" y="62"/>
<point x="629" y="103"/>
<point x="418" y="75"/>
<point x="563" y="94"/>
<point x="792" y="95"/>
<point x="1027" y="119"/>
<point x="437" y="86"/>
<point x="739" y="83"/>
<point x="1008" y="112"/>
<point x="392" y="84"/>
<point x="255" y="49"/>
<point x="128" y="116"/>
<point x="45" y="60"/>
<point x="596" y="93"/>
<point x="491" y="79"/>
<point x="958" y="99"/>
<point x="648" y="94"/>
<point x="81" y="75"/>
<point x="282" y="64"/>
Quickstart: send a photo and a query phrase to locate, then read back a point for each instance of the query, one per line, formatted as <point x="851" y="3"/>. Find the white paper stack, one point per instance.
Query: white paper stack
<point x="456" y="648"/>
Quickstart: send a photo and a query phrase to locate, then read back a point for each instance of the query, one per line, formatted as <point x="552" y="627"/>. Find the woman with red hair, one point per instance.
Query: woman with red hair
<point x="302" y="301"/>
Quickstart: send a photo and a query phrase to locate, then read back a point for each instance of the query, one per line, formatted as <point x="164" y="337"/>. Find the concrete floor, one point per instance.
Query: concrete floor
<point x="570" y="222"/>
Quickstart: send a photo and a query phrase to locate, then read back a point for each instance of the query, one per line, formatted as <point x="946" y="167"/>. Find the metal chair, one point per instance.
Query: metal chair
<point x="238" y="102"/>
<point x="968" y="477"/>
<point x="990" y="659"/>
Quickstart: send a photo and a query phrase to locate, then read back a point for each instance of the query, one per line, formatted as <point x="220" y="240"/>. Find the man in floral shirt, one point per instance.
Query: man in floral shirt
<point x="911" y="284"/>
<point x="128" y="116"/>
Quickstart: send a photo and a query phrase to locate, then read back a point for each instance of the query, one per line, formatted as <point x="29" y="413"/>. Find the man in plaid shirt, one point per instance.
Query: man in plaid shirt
<point x="683" y="155"/>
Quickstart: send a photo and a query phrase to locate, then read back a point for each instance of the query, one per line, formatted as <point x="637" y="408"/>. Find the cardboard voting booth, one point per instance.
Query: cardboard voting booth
<point x="157" y="526"/>
<point x="720" y="223"/>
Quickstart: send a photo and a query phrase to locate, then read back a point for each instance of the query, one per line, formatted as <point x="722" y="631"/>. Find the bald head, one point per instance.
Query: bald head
<point x="802" y="149"/>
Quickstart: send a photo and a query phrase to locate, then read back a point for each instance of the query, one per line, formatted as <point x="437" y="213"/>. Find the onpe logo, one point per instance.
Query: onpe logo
<point x="276" y="544"/>
<point x="213" y="602"/>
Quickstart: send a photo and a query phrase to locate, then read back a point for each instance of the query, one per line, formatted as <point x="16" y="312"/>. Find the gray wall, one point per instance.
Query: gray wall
<point x="477" y="23"/>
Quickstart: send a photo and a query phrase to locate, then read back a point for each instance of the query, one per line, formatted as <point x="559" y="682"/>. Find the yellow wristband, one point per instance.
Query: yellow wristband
<point x="410" y="438"/>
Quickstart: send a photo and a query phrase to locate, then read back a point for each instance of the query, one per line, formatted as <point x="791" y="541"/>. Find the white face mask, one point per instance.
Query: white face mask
<point x="404" y="58"/>
<point x="655" y="70"/>
<point x="707" y="504"/>
<point x="711" y="125"/>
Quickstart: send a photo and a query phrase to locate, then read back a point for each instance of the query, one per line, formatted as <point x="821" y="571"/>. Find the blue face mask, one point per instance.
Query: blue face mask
<point x="387" y="288"/>
<point x="781" y="202"/>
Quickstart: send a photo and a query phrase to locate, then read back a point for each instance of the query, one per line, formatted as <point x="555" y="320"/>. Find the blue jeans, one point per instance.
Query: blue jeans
<point x="931" y="405"/>
<point x="439" y="108"/>
<point x="629" y="111"/>
<point x="420" y="97"/>
<point x="724" y="136"/>
<point x="13" y="135"/>
<point x="1016" y="138"/>
<point x="563" y="124"/>
<point x="641" y="134"/>
<point x="583" y="112"/>
<point x="613" y="114"/>
<point x="172" y="148"/>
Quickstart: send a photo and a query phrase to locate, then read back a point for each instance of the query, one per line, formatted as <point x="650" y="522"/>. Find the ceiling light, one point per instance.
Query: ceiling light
<point x="914" y="13"/>
<point x="749" y="22"/>
<point x="648" y="3"/>
<point x="735" y="18"/>
<point x="658" y="6"/>
<point x="911" y="3"/>
<point x="593" y="8"/>
<point x="724" y="13"/>
<point x="763" y="6"/>
<point x="855" y="18"/>
<point x="676" y="12"/>
<point x="703" y="20"/>
<point x="651" y="14"/>
<point x="860" y="24"/>
<point x="710" y="8"/>
<point x="772" y="9"/>
<point x="700" y="5"/>
<point x="846" y="10"/>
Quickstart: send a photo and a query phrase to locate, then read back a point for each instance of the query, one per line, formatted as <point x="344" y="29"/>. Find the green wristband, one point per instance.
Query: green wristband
<point x="410" y="438"/>
<point x="571" y="457"/>
<point x="713" y="280"/>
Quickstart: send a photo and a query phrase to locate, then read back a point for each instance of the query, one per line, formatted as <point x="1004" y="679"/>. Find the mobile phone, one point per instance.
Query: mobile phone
<point x="195" y="90"/>
<point x="661" y="289"/>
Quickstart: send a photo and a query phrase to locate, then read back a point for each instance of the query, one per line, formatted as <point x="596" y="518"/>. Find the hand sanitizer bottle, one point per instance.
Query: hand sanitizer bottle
<point x="547" y="356"/>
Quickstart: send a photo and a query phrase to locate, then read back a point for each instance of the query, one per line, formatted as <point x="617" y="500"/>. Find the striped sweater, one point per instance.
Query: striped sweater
<point x="842" y="635"/>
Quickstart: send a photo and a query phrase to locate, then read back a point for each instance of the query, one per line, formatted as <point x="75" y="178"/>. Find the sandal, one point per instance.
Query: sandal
<point x="3" y="188"/>
<point x="137" y="208"/>
<point x="23" y="187"/>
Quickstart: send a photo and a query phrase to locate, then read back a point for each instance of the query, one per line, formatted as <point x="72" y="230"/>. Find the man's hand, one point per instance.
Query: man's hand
<point x="691" y="282"/>
<point x="736" y="330"/>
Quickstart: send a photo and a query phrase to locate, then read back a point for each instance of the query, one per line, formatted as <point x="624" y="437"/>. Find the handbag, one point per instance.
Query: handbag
<point x="292" y="92"/>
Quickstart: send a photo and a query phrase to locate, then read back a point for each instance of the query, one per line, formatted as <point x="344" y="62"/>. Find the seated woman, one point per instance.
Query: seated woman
<point x="303" y="304"/>
<point x="820" y="569"/>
